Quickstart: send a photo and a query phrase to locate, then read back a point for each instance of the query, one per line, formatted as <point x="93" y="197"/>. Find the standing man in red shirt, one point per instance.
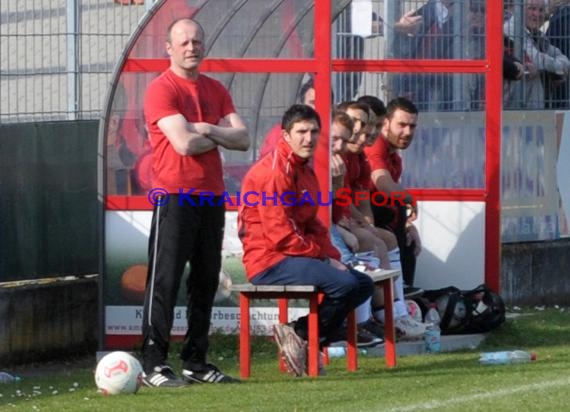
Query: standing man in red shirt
<point x="386" y="169"/>
<point x="189" y="116"/>
<point x="284" y="243"/>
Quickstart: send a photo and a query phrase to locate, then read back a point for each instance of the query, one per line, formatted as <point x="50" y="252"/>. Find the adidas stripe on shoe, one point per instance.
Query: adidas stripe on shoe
<point x="211" y="375"/>
<point x="163" y="377"/>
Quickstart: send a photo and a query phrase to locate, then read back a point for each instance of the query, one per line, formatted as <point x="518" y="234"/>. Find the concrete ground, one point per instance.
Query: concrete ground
<point x="449" y="343"/>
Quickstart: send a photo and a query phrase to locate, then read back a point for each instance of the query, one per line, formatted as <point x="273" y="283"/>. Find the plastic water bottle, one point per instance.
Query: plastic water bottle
<point x="432" y="334"/>
<point x="506" y="357"/>
<point x="5" y="377"/>
<point x="340" y="351"/>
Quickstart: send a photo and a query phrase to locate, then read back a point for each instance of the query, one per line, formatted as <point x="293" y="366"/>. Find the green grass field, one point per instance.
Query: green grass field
<point x="442" y="382"/>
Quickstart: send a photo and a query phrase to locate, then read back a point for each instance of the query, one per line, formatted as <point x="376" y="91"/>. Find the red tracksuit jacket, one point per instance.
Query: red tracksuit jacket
<point x="278" y="213"/>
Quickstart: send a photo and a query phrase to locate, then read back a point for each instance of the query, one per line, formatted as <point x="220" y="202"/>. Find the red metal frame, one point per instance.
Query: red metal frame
<point x="245" y="298"/>
<point x="117" y="202"/>
<point x="228" y="65"/>
<point x="322" y="65"/>
<point x="493" y="126"/>
<point x="389" y="329"/>
<point x="323" y="51"/>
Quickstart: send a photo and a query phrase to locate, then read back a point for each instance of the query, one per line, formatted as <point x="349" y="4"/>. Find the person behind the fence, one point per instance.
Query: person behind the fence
<point x="545" y="64"/>
<point x="434" y="40"/>
<point x="285" y="243"/>
<point x="189" y="116"/>
<point x="559" y="35"/>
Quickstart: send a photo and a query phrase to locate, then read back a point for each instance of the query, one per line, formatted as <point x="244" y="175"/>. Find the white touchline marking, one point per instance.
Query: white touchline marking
<point x="478" y="396"/>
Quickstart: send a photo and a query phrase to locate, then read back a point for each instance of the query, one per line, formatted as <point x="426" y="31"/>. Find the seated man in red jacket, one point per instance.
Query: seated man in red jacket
<point x="284" y="243"/>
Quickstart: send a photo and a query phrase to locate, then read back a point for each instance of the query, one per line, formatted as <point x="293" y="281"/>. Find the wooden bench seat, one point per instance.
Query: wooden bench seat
<point x="282" y="293"/>
<point x="249" y="292"/>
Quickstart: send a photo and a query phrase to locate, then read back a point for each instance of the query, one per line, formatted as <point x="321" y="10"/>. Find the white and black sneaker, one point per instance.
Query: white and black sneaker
<point x="163" y="377"/>
<point x="292" y="347"/>
<point x="211" y="374"/>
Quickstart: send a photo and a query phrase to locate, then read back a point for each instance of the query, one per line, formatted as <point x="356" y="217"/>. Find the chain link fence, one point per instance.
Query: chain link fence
<point x="57" y="56"/>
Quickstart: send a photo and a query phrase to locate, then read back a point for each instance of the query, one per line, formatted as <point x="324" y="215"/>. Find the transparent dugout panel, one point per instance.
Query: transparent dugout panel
<point x="236" y="29"/>
<point x="260" y="99"/>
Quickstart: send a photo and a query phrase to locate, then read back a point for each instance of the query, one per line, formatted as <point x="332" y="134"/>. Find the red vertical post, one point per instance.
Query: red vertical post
<point x="493" y="129"/>
<point x="313" y="351"/>
<point x="322" y="18"/>
<point x="389" y="335"/>
<point x="322" y="23"/>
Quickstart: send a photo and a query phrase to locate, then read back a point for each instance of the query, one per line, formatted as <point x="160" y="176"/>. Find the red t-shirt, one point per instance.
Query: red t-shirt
<point x="380" y="157"/>
<point x="356" y="178"/>
<point x="357" y="171"/>
<point x="200" y="100"/>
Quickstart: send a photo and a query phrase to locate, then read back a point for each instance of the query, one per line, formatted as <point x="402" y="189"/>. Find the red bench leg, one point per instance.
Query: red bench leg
<point x="313" y="352"/>
<point x="244" y="339"/>
<point x="389" y="333"/>
<point x="352" y="350"/>
<point x="283" y="305"/>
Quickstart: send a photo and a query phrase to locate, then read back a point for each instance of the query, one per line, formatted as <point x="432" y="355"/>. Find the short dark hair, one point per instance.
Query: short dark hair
<point x="375" y="104"/>
<point x="298" y="113"/>
<point x="400" y="103"/>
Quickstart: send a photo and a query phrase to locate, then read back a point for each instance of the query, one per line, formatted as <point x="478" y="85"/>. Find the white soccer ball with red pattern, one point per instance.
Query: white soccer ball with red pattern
<point x="414" y="310"/>
<point x="118" y="372"/>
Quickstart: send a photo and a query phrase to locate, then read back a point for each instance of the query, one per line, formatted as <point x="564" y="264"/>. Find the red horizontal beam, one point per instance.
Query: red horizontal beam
<point x="116" y="202"/>
<point x="413" y="66"/>
<point x="229" y="65"/>
<point x="142" y="202"/>
<point x="127" y="203"/>
<point x="454" y="195"/>
<point x="309" y="65"/>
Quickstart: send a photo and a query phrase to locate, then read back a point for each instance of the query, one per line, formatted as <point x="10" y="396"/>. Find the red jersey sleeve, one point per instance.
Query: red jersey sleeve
<point x="160" y="101"/>
<point x="380" y="158"/>
<point x="378" y="155"/>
